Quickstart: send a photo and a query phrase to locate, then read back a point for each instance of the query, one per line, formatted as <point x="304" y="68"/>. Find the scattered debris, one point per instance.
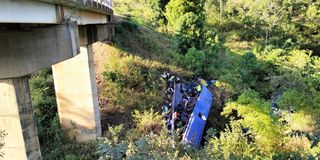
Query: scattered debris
<point x="187" y="106"/>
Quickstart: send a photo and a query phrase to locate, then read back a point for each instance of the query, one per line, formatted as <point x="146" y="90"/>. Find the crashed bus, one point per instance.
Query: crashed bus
<point x="187" y="106"/>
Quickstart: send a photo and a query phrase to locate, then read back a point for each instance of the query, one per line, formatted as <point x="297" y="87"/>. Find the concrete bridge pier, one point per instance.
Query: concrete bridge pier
<point x="77" y="95"/>
<point x="75" y="86"/>
<point x="68" y="49"/>
<point x="36" y="34"/>
<point x="24" y="50"/>
<point x="17" y="120"/>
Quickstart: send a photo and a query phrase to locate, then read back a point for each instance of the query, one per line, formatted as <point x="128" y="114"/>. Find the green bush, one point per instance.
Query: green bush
<point x="159" y="6"/>
<point x="187" y="21"/>
<point x="194" y="60"/>
<point x="131" y="76"/>
<point x="110" y="147"/>
<point x="255" y="115"/>
<point x="44" y="103"/>
<point x="232" y="144"/>
<point x="144" y="146"/>
<point x="249" y="68"/>
<point x="148" y="121"/>
<point x="270" y="132"/>
<point x="189" y="28"/>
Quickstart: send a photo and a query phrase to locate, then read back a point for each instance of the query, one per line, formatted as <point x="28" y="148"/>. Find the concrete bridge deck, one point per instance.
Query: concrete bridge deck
<point x="56" y="11"/>
<point x="35" y="34"/>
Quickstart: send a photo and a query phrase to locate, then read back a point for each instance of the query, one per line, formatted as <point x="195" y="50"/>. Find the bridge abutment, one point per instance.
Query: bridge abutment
<point x="77" y="95"/>
<point x="17" y="119"/>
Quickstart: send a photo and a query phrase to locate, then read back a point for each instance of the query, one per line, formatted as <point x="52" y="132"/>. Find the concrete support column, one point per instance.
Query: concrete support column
<point x="77" y="96"/>
<point x="17" y="119"/>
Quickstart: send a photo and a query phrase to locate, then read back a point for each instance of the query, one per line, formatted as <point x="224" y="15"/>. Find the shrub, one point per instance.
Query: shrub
<point x="144" y="146"/>
<point x="110" y="147"/>
<point x="194" y="60"/>
<point x="158" y="6"/>
<point x="305" y="108"/>
<point x="187" y="20"/>
<point x="134" y="77"/>
<point x="44" y="104"/>
<point x="232" y="143"/>
<point x="189" y="32"/>
<point x="255" y="115"/>
<point x="148" y="121"/>
<point x="249" y="68"/>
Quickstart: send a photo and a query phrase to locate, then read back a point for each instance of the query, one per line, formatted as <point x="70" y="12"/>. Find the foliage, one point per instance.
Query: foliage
<point x="232" y="144"/>
<point x="187" y="20"/>
<point x="269" y="21"/>
<point x="135" y="10"/>
<point x="130" y="77"/>
<point x="144" y="146"/>
<point x="134" y="77"/>
<point x="44" y="103"/>
<point x="148" y="121"/>
<point x="194" y="60"/>
<point x="158" y="7"/>
<point x="249" y="68"/>
<point x="255" y="116"/>
<point x="60" y="146"/>
<point x="271" y="131"/>
<point x="262" y="53"/>
<point x="250" y="78"/>
<point x="2" y="136"/>
<point x="189" y="32"/>
<point x="110" y="147"/>
<point x="176" y="9"/>
<point x="54" y="142"/>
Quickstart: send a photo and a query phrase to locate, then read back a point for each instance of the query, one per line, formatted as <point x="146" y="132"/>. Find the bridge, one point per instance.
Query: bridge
<point x="36" y="34"/>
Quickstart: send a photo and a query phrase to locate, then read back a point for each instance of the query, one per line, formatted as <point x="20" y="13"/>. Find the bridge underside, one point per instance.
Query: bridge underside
<point x="57" y="33"/>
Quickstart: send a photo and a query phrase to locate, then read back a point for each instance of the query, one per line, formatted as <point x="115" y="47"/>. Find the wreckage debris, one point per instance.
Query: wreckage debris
<point x="186" y="107"/>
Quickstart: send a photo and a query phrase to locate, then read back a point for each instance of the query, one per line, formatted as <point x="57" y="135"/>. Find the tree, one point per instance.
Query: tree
<point x="159" y="7"/>
<point x="267" y="13"/>
<point x="195" y="60"/>
<point x="175" y="9"/>
<point x="186" y="18"/>
<point x="221" y="9"/>
<point x="189" y="32"/>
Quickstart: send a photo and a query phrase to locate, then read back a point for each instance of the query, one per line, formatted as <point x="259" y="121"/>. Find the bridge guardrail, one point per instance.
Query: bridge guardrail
<point x="107" y="3"/>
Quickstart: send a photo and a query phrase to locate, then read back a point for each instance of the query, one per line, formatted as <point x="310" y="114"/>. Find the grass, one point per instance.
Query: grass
<point x="131" y="79"/>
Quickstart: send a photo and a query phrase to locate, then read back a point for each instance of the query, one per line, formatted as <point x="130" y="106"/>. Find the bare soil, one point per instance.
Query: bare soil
<point x="109" y="116"/>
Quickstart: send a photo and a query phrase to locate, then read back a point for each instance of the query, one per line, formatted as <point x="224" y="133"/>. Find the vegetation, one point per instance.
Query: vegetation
<point x="2" y="135"/>
<point x="53" y="139"/>
<point x="264" y="55"/>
